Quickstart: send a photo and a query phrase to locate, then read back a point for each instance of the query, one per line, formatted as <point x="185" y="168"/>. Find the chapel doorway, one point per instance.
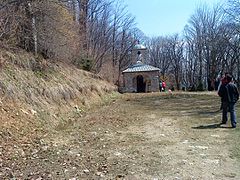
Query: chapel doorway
<point x="141" y="86"/>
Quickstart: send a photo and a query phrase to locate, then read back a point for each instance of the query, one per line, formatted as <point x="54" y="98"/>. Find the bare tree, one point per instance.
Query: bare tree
<point x="160" y="54"/>
<point x="176" y="58"/>
<point x="208" y="33"/>
<point x="42" y="27"/>
<point x="233" y="11"/>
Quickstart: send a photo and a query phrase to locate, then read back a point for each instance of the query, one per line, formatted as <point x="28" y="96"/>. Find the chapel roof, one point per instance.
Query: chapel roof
<point x="140" y="67"/>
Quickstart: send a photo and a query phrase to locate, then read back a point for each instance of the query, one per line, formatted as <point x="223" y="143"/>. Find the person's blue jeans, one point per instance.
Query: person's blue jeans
<point x="229" y="107"/>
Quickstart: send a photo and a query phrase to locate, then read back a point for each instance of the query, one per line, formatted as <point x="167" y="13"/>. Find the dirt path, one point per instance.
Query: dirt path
<point x="153" y="136"/>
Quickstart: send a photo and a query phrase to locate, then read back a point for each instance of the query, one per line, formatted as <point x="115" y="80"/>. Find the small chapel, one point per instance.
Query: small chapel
<point x="140" y="77"/>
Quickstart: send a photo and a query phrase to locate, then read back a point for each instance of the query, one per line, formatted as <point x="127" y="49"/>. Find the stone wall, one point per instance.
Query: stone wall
<point x="151" y="78"/>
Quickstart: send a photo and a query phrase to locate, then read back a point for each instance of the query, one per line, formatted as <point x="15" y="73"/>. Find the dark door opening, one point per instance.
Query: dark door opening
<point x="141" y="86"/>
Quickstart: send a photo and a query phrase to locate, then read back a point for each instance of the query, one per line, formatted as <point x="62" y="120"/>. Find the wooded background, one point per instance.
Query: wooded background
<point x="98" y="35"/>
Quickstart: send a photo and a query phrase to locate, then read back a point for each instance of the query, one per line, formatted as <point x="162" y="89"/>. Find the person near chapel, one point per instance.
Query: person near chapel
<point x="163" y="85"/>
<point x="160" y="85"/>
<point x="229" y="96"/>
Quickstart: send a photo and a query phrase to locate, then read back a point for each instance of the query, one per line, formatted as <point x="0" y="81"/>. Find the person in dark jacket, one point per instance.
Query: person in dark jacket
<point x="229" y="96"/>
<point x="160" y="85"/>
<point x="223" y="82"/>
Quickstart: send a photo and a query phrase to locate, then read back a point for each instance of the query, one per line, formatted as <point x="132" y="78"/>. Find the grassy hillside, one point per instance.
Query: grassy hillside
<point x="39" y="98"/>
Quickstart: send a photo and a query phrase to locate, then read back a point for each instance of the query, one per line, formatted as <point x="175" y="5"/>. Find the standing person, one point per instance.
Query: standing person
<point x="163" y="85"/>
<point x="160" y="86"/>
<point x="229" y="96"/>
<point x="223" y="81"/>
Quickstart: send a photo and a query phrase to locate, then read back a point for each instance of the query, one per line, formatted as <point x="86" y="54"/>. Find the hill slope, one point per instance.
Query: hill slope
<point x="39" y="98"/>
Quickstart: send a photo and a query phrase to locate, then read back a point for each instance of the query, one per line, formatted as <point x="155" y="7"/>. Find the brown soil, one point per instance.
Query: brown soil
<point x="138" y="136"/>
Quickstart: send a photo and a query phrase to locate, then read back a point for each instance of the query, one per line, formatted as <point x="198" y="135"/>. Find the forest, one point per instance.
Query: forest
<point x="98" y="35"/>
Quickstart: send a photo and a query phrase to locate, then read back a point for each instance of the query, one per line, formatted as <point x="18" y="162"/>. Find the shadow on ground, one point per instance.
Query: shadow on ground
<point x="210" y="126"/>
<point x="209" y="112"/>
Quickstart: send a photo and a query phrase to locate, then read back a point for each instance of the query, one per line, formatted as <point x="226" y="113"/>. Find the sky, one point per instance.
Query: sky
<point x="164" y="17"/>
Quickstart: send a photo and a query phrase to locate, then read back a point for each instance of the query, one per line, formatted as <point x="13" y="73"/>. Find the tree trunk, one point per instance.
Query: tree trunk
<point x="200" y="82"/>
<point x="83" y="8"/>
<point x="34" y="29"/>
<point x="35" y="39"/>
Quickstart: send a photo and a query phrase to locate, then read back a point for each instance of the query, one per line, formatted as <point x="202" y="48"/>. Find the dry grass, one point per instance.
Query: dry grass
<point x="137" y="136"/>
<point x="58" y="84"/>
<point x="34" y="103"/>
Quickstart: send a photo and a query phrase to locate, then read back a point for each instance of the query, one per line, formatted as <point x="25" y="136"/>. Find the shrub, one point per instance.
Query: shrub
<point x="84" y="63"/>
<point x="200" y="87"/>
